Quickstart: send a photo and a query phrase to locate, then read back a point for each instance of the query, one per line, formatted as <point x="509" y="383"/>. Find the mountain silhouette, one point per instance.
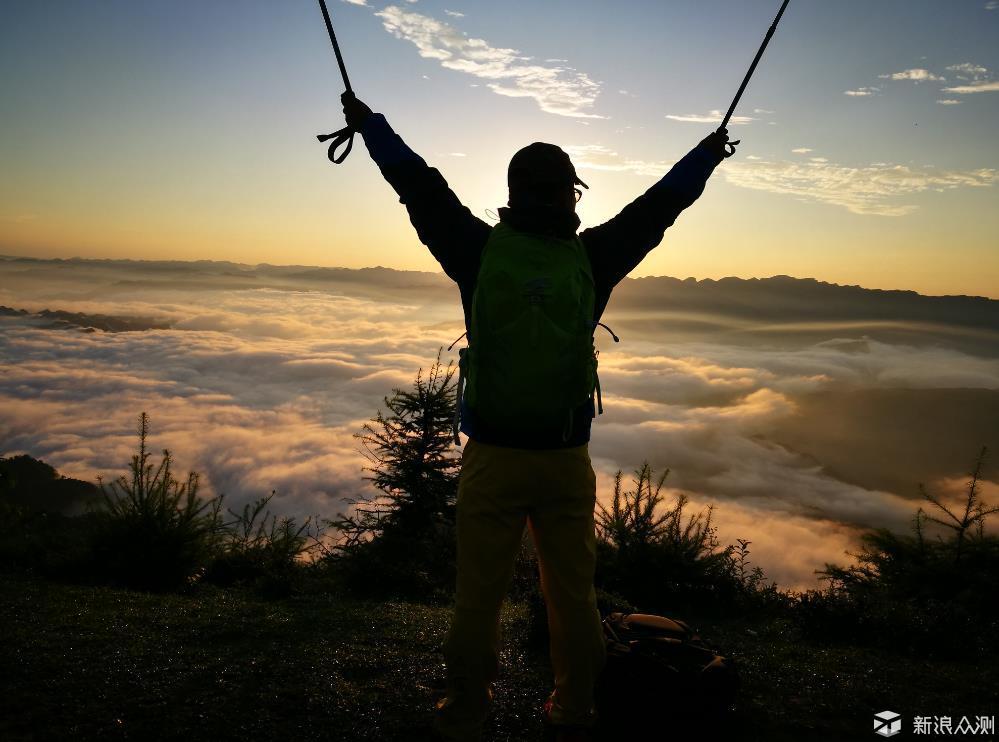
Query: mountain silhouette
<point x="28" y="482"/>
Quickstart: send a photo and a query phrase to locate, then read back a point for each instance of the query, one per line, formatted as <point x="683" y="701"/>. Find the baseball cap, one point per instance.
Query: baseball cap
<point x="541" y="163"/>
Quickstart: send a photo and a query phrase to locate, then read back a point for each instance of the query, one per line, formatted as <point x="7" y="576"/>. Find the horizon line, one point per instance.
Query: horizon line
<point x="203" y="261"/>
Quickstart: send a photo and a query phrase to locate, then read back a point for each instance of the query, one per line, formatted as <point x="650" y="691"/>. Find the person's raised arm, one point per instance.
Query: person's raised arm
<point x="453" y="234"/>
<point x="617" y="246"/>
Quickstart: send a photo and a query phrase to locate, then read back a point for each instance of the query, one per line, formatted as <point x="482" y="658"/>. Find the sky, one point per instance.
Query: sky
<point x="181" y="131"/>
<point x="803" y="428"/>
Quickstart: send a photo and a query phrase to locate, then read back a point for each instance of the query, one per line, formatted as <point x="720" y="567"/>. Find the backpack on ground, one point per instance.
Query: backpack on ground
<point x="656" y="666"/>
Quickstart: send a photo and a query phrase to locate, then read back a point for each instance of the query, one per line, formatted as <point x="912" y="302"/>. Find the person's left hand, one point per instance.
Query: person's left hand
<point x="718" y="144"/>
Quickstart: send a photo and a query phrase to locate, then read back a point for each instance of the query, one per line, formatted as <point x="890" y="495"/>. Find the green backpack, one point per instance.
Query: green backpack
<point x="530" y="361"/>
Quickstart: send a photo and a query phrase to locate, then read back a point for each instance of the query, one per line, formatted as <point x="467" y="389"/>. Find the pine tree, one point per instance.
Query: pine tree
<point x="407" y="527"/>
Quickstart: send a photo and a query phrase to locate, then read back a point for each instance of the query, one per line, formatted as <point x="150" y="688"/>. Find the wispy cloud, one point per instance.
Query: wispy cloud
<point x="862" y="92"/>
<point x="968" y="71"/>
<point x="985" y="86"/>
<point x="949" y="102"/>
<point x="992" y="5"/>
<point x="559" y="90"/>
<point x="871" y="189"/>
<point x="976" y="78"/>
<point x="917" y="74"/>
<point x="599" y="157"/>
<point x="454" y="13"/>
<point x="711" y="117"/>
<point x="357" y="2"/>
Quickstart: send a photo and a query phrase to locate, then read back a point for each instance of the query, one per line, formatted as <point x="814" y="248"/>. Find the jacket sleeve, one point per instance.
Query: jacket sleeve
<point x="455" y="237"/>
<point x="617" y="246"/>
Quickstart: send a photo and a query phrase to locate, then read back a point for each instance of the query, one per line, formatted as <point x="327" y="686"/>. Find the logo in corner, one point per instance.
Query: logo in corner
<point x="887" y="723"/>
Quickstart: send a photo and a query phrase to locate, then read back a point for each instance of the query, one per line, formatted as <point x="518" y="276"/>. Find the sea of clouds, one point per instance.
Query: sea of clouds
<point x="803" y="426"/>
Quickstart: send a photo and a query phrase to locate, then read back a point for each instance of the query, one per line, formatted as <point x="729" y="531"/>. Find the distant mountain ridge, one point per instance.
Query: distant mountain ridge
<point x="61" y="320"/>
<point x="779" y="299"/>
<point x="783" y="299"/>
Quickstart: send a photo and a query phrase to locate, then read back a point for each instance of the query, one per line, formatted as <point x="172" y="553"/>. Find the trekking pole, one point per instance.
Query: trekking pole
<point x="752" y="69"/>
<point x="345" y="134"/>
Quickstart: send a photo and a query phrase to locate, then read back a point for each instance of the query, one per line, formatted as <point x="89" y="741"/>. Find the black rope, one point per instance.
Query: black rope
<point x="345" y="134"/>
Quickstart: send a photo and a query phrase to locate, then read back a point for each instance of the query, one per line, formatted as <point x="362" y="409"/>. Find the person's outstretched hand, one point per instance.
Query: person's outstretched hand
<point x="354" y="111"/>
<point x="718" y="144"/>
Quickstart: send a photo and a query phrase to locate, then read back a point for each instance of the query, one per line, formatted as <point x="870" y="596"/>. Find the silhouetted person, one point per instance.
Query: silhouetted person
<point x="532" y="291"/>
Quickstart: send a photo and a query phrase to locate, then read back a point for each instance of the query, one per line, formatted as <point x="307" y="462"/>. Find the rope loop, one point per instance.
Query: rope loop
<point x="346" y="134"/>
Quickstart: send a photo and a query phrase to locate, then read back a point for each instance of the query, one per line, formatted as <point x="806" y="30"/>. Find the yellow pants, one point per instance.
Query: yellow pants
<point x="553" y="492"/>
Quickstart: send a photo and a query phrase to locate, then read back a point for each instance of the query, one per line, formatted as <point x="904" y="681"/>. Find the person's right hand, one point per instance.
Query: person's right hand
<point x="354" y="111"/>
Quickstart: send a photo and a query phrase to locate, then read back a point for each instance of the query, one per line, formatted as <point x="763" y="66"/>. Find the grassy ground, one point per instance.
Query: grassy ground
<point x="99" y="663"/>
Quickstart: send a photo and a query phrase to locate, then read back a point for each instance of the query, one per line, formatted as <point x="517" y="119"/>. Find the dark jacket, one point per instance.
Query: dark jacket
<point x="456" y="238"/>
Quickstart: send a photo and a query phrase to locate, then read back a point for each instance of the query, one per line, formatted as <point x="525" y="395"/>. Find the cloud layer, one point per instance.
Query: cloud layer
<point x="799" y="431"/>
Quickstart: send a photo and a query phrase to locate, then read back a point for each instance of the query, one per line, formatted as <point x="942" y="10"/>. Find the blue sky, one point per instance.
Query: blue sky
<point x="184" y="130"/>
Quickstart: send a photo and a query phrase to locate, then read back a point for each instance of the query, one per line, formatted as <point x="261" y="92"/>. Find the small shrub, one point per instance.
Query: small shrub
<point x="261" y="549"/>
<point x="155" y="532"/>
<point x="658" y="556"/>
<point x="915" y="592"/>
<point x="53" y="545"/>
